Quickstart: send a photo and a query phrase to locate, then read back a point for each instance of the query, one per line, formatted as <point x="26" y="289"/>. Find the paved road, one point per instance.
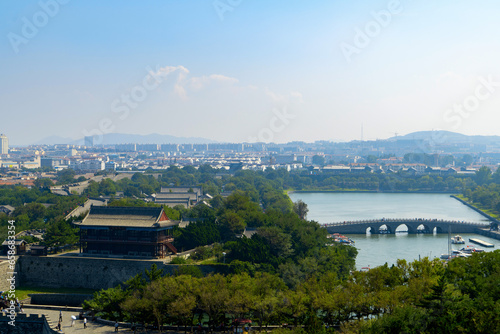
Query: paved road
<point x="92" y="327"/>
<point x="53" y="317"/>
<point x="85" y="208"/>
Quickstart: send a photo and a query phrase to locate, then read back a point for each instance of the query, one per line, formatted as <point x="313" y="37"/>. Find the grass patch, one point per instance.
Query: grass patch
<point x="490" y="212"/>
<point x="336" y="190"/>
<point x="210" y="260"/>
<point x="22" y="292"/>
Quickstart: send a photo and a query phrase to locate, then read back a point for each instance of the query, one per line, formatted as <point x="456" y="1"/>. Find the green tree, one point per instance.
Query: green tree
<point x="60" y="234"/>
<point x="106" y="303"/>
<point x="212" y="296"/>
<point x="318" y="160"/>
<point x="483" y="175"/>
<point x="268" y="291"/>
<point x="66" y="176"/>
<point x="43" y="182"/>
<point x="301" y="209"/>
<point x="231" y="224"/>
<point x="280" y="243"/>
<point x="183" y="304"/>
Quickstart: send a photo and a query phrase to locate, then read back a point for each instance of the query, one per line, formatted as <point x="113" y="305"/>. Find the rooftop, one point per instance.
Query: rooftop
<point x="127" y="217"/>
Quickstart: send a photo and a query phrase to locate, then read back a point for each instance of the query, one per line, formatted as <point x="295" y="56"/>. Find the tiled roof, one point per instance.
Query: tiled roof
<point x="149" y="212"/>
<point x="176" y="195"/>
<point x="17" y="242"/>
<point x="182" y="189"/>
<point x="8" y="207"/>
<point x="126" y="217"/>
<point x="172" y="200"/>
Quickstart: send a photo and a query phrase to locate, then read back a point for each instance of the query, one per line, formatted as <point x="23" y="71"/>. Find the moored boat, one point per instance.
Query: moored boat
<point x="457" y="240"/>
<point x="470" y="250"/>
<point x="457" y="253"/>
<point x="342" y="239"/>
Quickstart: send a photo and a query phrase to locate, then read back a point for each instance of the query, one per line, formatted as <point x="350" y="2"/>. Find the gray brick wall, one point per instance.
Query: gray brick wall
<point x="4" y="270"/>
<point x="80" y="272"/>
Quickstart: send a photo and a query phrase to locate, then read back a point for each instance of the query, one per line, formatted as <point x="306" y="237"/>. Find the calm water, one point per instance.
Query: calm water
<point x="375" y="250"/>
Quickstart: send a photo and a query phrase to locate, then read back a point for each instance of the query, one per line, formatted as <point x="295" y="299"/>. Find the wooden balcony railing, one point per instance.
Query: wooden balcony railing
<point x="161" y="239"/>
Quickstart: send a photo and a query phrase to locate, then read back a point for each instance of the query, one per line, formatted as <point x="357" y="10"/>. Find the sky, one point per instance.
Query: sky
<point x="247" y="71"/>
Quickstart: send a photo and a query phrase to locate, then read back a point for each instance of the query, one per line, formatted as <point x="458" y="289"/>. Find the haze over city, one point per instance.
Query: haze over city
<point x="246" y="71"/>
<point x="249" y="166"/>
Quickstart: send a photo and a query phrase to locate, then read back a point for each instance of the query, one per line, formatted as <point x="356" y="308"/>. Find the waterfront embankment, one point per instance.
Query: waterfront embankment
<point x="485" y="232"/>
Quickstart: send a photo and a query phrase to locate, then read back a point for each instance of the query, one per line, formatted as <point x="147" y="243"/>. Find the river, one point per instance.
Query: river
<point x="377" y="249"/>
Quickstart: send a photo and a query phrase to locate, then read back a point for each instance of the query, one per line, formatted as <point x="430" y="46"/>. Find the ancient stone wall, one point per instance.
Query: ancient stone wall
<point x="25" y="324"/>
<point x="5" y="274"/>
<point x="59" y="299"/>
<point x="81" y="272"/>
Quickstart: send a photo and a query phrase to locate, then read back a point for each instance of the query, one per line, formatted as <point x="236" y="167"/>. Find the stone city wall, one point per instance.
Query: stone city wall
<point x="5" y="275"/>
<point x="25" y="324"/>
<point x="81" y="272"/>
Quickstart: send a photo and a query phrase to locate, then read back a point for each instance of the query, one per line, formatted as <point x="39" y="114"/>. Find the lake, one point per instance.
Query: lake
<point x="377" y="249"/>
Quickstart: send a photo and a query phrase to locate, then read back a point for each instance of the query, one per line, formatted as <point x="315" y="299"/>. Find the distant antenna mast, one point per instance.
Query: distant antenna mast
<point x="361" y="132"/>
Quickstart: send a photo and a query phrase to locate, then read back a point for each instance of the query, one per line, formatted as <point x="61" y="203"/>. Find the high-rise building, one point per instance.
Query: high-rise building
<point x="89" y="141"/>
<point x="4" y="144"/>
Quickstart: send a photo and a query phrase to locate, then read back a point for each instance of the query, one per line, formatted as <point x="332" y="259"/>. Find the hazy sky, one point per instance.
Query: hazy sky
<point x="248" y="70"/>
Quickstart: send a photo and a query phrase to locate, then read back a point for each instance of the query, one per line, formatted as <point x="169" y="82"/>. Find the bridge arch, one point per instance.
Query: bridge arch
<point x="437" y="229"/>
<point x="400" y="228"/>
<point x="383" y="226"/>
<point x="424" y="228"/>
<point x="385" y="229"/>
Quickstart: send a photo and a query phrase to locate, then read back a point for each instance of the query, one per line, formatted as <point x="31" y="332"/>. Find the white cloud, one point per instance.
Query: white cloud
<point x="219" y="83"/>
<point x="166" y="70"/>
<point x="180" y="91"/>
<point x="182" y="73"/>
<point x="295" y="97"/>
<point x="200" y="82"/>
<point x="241" y="110"/>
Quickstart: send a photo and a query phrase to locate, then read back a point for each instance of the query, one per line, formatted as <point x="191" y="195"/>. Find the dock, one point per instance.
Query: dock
<point x="481" y="242"/>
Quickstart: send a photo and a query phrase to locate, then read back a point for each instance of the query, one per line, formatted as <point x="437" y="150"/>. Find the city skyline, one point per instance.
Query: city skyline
<point x="241" y="71"/>
<point x="430" y="139"/>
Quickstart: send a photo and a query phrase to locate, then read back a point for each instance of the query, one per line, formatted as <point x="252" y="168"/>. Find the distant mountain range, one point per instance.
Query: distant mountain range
<point x="448" y="136"/>
<point x="121" y="138"/>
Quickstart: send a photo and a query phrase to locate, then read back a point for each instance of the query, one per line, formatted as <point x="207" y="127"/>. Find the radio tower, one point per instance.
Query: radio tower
<point x="362" y="144"/>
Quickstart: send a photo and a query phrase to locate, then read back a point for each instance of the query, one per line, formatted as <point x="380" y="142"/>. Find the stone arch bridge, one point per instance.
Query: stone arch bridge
<point x="413" y="224"/>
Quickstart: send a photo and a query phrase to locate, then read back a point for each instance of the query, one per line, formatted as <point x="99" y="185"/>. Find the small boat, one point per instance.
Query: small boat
<point x="454" y="254"/>
<point x="470" y="250"/>
<point x="457" y="253"/>
<point x="342" y="239"/>
<point x="445" y="257"/>
<point x="457" y="240"/>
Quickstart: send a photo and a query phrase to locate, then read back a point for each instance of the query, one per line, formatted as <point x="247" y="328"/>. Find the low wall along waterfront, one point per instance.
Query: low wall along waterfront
<point x="475" y="209"/>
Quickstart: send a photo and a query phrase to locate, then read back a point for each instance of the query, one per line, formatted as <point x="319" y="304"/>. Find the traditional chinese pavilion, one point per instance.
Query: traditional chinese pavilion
<point x="130" y="231"/>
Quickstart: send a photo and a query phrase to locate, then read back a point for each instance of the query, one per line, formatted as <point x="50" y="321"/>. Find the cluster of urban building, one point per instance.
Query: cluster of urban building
<point x="386" y="156"/>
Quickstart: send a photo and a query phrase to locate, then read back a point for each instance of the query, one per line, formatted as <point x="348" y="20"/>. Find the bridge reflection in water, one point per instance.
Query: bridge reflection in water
<point x="416" y="225"/>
